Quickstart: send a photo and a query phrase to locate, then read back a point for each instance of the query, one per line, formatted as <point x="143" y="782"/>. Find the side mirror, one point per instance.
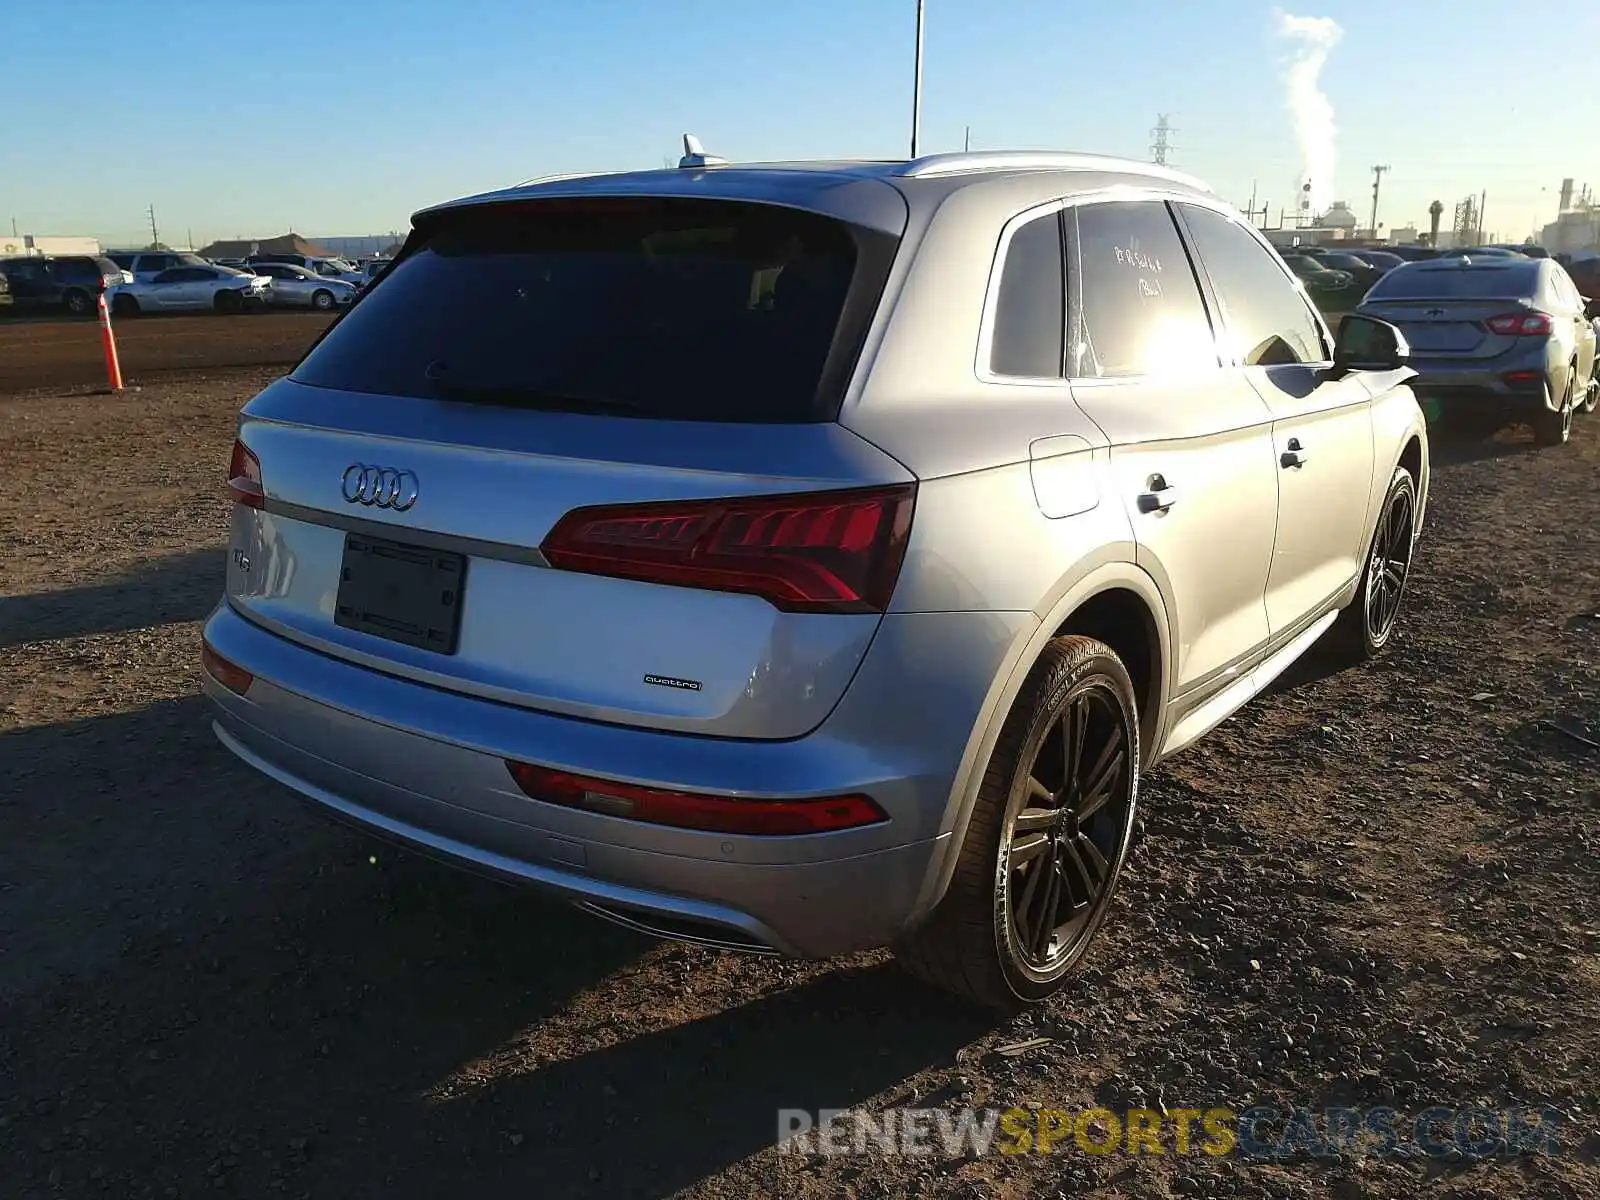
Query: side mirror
<point x="1591" y="309"/>
<point x="1368" y="344"/>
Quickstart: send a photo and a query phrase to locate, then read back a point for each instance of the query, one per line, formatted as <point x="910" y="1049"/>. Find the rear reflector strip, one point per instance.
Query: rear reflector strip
<point x="687" y="810"/>
<point x="236" y="679"/>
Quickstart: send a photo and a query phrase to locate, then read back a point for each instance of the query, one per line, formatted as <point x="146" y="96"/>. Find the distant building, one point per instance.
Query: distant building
<point x="365" y="246"/>
<point x="1312" y="235"/>
<point x="1572" y="231"/>
<point x="1405" y="235"/>
<point x="1339" y="216"/>
<point x="29" y="243"/>
<point x="288" y="243"/>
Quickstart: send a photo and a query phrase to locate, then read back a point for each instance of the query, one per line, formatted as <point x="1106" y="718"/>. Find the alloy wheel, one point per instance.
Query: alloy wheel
<point x="1064" y="844"/>
<point x="1390" y="566"/>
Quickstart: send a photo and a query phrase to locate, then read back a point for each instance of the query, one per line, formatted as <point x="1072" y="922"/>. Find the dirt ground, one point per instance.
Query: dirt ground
<point x="1373" y="887"/>
<point x="60" y="352"/>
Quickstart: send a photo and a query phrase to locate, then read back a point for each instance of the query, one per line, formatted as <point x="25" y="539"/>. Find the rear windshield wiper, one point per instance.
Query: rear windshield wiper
<point x="521" y="397"/>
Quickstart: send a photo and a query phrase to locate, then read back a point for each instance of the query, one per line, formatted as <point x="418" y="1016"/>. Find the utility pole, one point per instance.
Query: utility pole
<point x="1159" y="147"/>
<point x="916" y="88"/>
<point x="966" y="142"/>
<point x="1250" y="213"/>
<point x="1483" y="203"/>
<point x="1377" y="182"/>
<point x="155" y="238"/>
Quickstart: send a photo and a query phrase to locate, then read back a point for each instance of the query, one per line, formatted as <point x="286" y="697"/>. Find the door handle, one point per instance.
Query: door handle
<point x="1160" y="497"/>
<point x="1293" y="456"/>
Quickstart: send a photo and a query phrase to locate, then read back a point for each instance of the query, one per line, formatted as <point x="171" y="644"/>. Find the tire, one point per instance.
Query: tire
<point x="1591" y="400"/>
<point x="228" y="301"/>
<point x="322" y="300"/>
<point x="78" y="303"/>
<point x="125" y="306"/>
<point x="1366" y="626"/>
<point x="976" y="941"/>
<point x="1554" y="428"/>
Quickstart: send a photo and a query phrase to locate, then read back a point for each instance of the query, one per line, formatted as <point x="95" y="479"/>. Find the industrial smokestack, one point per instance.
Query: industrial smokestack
<point x="1311" y="39"/>
<point x="1566" y="195"/>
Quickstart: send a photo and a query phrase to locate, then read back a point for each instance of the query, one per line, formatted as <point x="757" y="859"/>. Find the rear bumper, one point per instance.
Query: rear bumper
<point x="1488" y="383"/>
<point x="426" y="768"/>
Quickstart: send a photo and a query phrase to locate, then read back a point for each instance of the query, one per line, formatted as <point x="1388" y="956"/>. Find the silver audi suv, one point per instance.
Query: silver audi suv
<point x="804" y="557"/>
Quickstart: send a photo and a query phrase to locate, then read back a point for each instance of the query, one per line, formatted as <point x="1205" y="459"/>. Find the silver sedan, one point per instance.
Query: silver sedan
<point x="298" y="286"/>
<point x="190" y="289"/>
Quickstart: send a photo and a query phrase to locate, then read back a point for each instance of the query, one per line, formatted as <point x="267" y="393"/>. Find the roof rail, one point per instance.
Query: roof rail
<point x="973" y="161"/>
<point x="560" y="178"/>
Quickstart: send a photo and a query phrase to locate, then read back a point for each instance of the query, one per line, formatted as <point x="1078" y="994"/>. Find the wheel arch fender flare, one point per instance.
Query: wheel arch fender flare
<point x="1397" y="422"/>
<point x="1071" y="596"/>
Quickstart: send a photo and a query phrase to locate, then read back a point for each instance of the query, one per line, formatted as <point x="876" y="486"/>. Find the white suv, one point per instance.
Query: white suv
<point x="807" y="557"/>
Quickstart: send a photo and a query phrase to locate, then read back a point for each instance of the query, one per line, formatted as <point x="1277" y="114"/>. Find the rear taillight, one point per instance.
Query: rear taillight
<point x="694" y="810"/>
<point x="817" y="552"/>
<point x="244" y="477"/>
<point x="236" y="679"/>
<point x="1520" y="324"/>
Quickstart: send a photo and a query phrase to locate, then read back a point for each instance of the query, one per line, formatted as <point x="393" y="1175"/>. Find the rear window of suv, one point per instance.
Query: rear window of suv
<point x="84" y="270"/>
<point x="712" y="310"/>
<point x="1458" y="283"/>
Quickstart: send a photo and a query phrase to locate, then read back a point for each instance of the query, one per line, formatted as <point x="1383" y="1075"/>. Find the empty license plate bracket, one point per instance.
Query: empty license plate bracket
<point x="403" y="593"/>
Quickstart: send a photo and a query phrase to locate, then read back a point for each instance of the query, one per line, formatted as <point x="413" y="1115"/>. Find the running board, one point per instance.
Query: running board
<point x="1241" y="691"/>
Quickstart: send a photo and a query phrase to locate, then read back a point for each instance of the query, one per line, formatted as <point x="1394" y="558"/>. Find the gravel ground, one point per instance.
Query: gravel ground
<point x="1376" y="887"/>
<point x="61" y="352"/>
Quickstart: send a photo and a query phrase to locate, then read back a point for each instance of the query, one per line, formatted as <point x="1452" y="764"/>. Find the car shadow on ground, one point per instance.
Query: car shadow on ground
<point x="204" y="984"/>
<point x="1449" y="447"/>
<point x="173" y="588"/>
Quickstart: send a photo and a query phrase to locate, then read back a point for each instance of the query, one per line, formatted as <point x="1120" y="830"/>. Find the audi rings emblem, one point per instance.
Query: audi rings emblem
<point x="379" y="487"/>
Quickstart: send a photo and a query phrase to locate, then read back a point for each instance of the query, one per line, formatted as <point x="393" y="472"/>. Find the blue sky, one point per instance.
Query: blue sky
<point x="344" y="116"/>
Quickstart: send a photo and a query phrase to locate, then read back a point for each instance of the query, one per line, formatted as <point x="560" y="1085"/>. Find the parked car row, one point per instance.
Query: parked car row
<point x="228" y="289"/>
<point x="70" y="283"/>
<point x="169" y="281"/>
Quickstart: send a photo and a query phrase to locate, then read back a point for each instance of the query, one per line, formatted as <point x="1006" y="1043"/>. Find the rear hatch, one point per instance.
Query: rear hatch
<point x="1449" y="310"/>
<point x="672" y="367"/>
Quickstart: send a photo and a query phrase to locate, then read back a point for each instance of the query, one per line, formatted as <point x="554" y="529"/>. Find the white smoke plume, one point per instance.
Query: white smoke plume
<point x="1311" y="39"/>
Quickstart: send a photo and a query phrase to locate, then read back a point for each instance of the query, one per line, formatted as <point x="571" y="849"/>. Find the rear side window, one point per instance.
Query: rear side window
<point x="125" y="261"/>
<point x="1441" y="282"/>
<point x="1140" y="311"/>
<point x="78" y="270"/>
<point x="1030" y="309"/>
<point x="1266" y="320"/>
<point x="1565" y="291"/>
<point x="677" y="309"/>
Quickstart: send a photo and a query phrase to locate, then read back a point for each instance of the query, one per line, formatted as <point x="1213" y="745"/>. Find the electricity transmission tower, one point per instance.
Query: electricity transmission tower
<point x="1466" y="222"/>
<point x="1160" y="146"/>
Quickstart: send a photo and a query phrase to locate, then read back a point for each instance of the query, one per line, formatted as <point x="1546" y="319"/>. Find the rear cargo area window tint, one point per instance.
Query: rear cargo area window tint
<point x="701" y="310"/>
